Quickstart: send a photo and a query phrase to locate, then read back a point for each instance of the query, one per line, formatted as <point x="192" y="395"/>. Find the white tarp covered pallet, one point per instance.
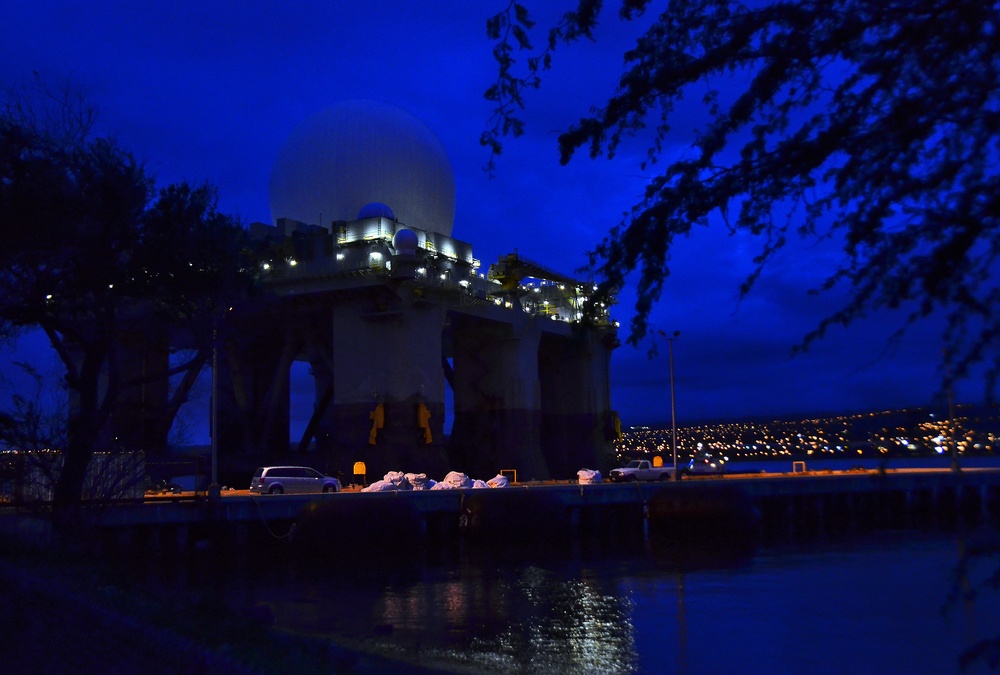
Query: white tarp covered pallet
<point x="397" y="480"/>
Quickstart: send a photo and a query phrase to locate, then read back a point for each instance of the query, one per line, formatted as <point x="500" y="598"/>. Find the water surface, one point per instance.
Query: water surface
<point x="874" y="604"/>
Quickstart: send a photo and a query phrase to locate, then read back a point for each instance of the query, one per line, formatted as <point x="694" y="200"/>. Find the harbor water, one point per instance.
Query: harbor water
<point x="895" y="601"/>
<point x="884" y="601"/>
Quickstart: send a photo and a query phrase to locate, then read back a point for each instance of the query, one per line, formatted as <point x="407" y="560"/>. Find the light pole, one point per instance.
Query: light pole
<point x="214" y="491"/>
<point x="951" y="416"/>
<point x="673" y="408"/>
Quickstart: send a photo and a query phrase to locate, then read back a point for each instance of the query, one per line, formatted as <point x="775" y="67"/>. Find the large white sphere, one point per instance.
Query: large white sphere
<point x="358" y="152"/>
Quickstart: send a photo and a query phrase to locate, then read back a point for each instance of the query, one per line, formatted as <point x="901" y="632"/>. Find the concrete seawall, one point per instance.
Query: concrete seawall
<point x="719" y="509"/>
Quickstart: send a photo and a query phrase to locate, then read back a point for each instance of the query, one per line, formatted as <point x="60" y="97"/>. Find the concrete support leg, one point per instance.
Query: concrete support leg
<point x="139" y="422"/>
<point x="497" y="398"/>
<point x="388" y="391"/>
<point x="253" y="389"/>
<point x="577" y="420"/>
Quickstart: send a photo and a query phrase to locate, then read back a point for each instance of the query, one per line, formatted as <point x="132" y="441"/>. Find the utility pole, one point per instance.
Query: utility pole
<point x="951" y="416"/>
<point x="214" y="491"/>
<point x="673" y="407"/>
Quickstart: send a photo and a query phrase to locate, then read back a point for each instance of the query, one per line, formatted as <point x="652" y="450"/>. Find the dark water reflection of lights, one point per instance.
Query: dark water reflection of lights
<point x="530" y="620"/>
<point x="870" y="603"/>
<point x="535" y="610"/>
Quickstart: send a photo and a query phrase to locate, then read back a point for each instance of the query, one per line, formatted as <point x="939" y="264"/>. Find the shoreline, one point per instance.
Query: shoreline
<point x="68" y="617"/>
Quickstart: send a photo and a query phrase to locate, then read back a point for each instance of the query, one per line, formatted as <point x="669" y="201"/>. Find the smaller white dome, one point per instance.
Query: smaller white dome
<point x="376" y="210"/>
<point x="405" y="242"/>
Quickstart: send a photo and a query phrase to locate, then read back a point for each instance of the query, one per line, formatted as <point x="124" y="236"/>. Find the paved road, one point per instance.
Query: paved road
<point x="230" y="492"/>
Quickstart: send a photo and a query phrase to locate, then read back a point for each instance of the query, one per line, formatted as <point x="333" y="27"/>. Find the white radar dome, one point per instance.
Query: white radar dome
<point x="405" y="242"/>
<point x="342" y="161"/>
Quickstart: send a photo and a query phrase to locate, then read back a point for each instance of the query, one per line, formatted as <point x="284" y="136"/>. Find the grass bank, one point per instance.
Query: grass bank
<point x="64" y="613"/>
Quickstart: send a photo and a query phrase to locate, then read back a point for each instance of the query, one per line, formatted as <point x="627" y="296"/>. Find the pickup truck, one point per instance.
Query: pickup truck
<point x="640" y="469"/>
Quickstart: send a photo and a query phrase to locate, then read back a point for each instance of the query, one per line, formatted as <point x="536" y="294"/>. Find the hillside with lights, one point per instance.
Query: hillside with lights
<point x="912" y="432"/>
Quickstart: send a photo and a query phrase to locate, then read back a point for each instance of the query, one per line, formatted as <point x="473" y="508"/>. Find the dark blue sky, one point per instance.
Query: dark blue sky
<point x="205" y="92"/>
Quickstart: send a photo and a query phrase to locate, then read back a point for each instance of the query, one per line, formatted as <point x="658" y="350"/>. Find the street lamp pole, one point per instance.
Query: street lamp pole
<point x="214" y="491"/>
<point x="951" y="425"/>
<point x="673" y="407"/>
<point x="951" y="414"/>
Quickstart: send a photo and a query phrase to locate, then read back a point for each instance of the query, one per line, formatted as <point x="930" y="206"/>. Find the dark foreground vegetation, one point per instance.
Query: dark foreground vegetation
<point x="62" y="615"/>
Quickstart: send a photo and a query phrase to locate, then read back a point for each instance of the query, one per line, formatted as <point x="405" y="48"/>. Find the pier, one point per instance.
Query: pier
<point x="733" y="507"/>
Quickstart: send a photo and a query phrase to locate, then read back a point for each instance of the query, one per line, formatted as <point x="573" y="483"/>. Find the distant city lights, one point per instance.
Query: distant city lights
<point x="872" y="434"/>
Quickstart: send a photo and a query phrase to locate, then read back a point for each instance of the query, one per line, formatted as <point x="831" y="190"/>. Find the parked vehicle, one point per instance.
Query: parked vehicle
<point x="705" y="463"/>
<point x="640" y="469"/>
<point x="291" y="479"/>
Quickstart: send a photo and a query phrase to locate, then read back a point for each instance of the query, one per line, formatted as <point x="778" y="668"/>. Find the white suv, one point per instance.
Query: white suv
<point x="281" y="479"/>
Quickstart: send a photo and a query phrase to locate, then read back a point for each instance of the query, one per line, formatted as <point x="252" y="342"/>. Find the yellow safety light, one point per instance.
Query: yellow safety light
<point x="360" y="471"/>
<point x="377" y="417"/>
<point x="424" y="421"/>
<point x="657" y="461"/>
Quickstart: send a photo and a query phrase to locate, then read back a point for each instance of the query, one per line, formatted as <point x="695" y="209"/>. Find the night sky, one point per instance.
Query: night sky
<point x="205" y="92"/>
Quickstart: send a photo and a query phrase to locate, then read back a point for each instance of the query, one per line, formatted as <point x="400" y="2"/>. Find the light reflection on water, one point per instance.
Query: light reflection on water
<point x="534" y="621"/>
<point x="869" y="605"/>
<point x="474" y="615"/>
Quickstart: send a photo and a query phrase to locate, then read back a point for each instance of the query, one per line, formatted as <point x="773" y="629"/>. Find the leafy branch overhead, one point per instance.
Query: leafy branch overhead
<point x="509" y="32"/>
<point x="874" y="123"/>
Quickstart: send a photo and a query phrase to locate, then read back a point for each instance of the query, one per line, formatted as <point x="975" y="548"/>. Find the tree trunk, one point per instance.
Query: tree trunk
<point x="83" y="427"/>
